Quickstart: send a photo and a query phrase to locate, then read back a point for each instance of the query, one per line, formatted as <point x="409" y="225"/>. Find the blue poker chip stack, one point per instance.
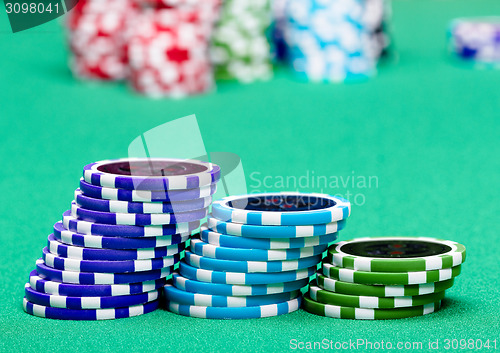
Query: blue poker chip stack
<point x="336" y="40"/>
<point x="255" y="254"/>
<point x="476" y="41"/>
<point x="114" y="250"/>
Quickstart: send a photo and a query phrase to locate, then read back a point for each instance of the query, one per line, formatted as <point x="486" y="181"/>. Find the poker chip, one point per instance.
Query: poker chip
<point x="284" y="209"/>
<point x="336" y="286"/>
<point x="172" y="294"/>
<point x="84" y="227"/>
<point x="88" y="314"/>
<point x="189" y="285"/>
<point x="116" y="206"/>
<point x="96" y="38"/>
<point x="249" y="312"/>
<point x="99" y="278"/>
<point x="59" y="301"/>
<point x="334" y="41"/>
<point x="136" y="219"/>
<point x="117" y="266"/>
<point x="384" y="278"/>
<point x="111" y="258"/>
<point x="168" y="50"/>
<point x="262" y="248"/>
<point x="342" y="312"/>
<point x="393" y="254"/>
<point x="82" y="253"/>
<point x="231" y="241"/>
<point x="151" y="174"/>
<point x="476" y="40"/>
<point x="146" y="195"/>
<point x="208" y="263"/>
<point x="202" y="275"/>
<point x="240" y="49"/>
<point x="43" y="285"/>
<point x="201" y="248"/>
<point x="255" y="231"/>
<point x="326" y="297"/>
<point x="102" y="242"/>
<point x="389" y="278"/>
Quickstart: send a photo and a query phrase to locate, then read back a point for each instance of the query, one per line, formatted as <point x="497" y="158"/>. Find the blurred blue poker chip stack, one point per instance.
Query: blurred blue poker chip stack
<point x="118" y="244"/>
<point x="476" y="41"/>
<point x="335" y="40"/>
<point x="255" y="254"/>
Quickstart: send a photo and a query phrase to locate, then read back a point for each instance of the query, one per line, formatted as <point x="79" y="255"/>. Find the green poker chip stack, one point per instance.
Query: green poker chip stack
<point x="384" y="278"/>
<point x="240" y="47"/>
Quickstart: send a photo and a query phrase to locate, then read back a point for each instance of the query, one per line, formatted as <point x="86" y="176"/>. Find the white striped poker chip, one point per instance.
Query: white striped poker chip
<point x="361" y="301"/>
<point x="81" y="253"/>
<point x="389" y="278"/>
<point x="101" y="192"/>
<point x="282" y="209"/>
<point x="249" y="312"/>
<point x="202" y="275"/>
<point x="397" y="254"/>
<point x="88" y="314"/>
<point x="343" y="312"/>
<point x="231" y="241"/>
<point x="136" y="219"/>
<point x="75" y="277"/>
<point x="117" y="206"/>
<point x="100" y="266"/>
<point x="113" y="230"/>
<point x="201" y="248"/>
<point x="151" y="173"/>
<point x="268" y="232"/>
<point x="235" y="290"/>
<point x="336" y="286"/>
<point x="187" y="298"/>
<point x="102" y="242"/>
<point x="208" y="263"/>
<point x="59" y="301"/>
<point x="44" y="285"/>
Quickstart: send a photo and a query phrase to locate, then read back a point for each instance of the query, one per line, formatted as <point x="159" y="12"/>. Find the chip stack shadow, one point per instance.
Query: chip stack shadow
<point x="255" y="254"/>
<point x="118" y="244"/>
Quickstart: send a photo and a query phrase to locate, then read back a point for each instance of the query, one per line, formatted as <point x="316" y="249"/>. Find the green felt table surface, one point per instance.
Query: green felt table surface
<point x="427" y="129"/>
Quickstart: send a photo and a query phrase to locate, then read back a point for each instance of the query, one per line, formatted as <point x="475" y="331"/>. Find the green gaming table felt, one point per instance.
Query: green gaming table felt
<point x="426" y="128"/>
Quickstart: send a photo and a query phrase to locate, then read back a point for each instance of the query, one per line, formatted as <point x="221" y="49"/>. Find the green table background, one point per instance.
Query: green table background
<point x="426" y="128"/>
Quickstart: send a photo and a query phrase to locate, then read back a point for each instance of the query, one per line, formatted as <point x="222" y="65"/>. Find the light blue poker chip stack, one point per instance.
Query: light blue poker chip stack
<point x="335" y="40"/>
<point x="255" y="254"/>
<point x="127" y="228"/>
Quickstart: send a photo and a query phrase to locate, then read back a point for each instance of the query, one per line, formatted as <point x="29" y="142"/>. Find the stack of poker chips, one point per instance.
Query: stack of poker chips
<point x="476" y="40"/>
<point x="240" y="48"/>
<point x="160" y="46"/>
<point x="96" y="37"/>
<point x="255" y="255"/>
<point x="117" y="245"/>
<point x="384" y="278"/>
<point x="169" y="48"/>
<point x="335" y="40"/>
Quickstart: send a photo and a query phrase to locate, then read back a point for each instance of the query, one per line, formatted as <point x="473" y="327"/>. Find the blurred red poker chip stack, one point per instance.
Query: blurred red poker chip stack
<point x="96" y="37"/>
<point x="168" y="47"/>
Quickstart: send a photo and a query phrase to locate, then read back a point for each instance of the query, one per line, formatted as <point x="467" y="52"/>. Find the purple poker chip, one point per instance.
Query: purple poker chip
<point x="135" y="219"/>
<point x="151" y="174"/>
